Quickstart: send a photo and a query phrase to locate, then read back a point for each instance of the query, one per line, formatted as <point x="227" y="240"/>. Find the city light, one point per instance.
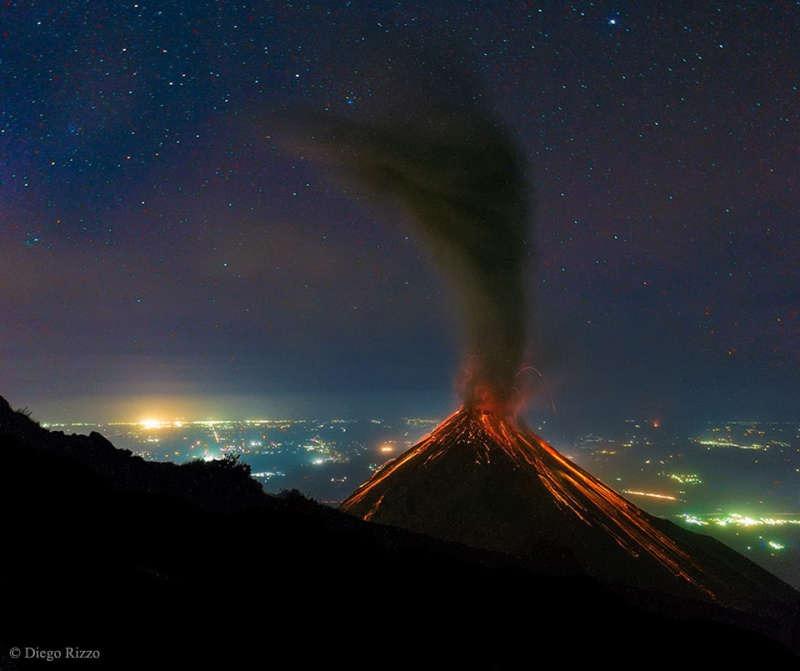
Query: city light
<point x="737" y="520"/>
<point x="724" y="442"/>
<point x="315" y="456"/>
<point x="651" y="495"/>
<point x="693" y="519"/>
<point x="686" y="478"/>
<point x="268" y="475"/>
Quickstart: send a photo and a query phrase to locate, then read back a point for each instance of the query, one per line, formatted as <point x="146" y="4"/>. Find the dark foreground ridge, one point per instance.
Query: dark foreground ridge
<point x="165" y="566"/>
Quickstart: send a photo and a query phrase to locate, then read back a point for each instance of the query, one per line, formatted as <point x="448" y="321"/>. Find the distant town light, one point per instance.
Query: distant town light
<point x="651" y="495"/>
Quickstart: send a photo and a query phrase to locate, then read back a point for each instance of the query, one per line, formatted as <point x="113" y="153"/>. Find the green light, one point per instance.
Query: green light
<point x="693" y="519"/>
<point x="740" y="520"/>
<point x="686" y="478"/>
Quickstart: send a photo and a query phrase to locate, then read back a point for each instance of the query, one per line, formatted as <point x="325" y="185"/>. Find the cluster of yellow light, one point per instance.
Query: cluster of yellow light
<point x="686" y="478"/>
<point x="386" y="448"/>
<point x="651" y="495"/>
<point x="723" y="442"/>
<point x="152" y="424"/>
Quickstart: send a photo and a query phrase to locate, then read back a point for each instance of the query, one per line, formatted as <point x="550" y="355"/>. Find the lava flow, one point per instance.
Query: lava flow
<point x="486" y="480"/>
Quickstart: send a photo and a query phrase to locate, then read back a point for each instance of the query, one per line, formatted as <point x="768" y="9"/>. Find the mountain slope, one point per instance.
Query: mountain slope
<point x="160" y="565"/>
<point x="491" y="483"/>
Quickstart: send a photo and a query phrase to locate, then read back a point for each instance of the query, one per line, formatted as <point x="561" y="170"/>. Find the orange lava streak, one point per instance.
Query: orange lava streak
<point x="390" y="467"/>
<point x="371" y="512"/>
<point x="569" y="484"/>
<point x="572" y="488"/>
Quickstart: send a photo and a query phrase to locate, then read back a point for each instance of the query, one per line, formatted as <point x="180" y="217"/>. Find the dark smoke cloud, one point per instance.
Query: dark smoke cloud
<point x="456" y="169"/>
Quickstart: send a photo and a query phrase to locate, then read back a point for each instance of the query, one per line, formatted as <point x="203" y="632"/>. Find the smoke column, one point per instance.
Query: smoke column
<point x="462" y="179"/>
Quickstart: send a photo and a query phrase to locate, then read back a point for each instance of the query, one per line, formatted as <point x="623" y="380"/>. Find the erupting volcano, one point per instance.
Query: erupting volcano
<point x="487" y="481"/>
<point x="482" y="477"/>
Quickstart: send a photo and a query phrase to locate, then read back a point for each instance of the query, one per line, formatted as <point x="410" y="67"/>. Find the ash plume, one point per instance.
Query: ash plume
<point x="456" y="169"/>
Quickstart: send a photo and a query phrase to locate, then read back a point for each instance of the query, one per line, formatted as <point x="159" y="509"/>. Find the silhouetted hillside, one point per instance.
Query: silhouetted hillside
<point x="166" y="566"/>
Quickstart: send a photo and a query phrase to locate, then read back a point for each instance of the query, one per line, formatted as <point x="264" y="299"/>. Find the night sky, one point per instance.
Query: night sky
<point x="159" y="241"/>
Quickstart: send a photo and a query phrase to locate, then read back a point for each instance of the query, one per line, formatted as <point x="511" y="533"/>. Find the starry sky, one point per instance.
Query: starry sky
<point x="159" y="241"/>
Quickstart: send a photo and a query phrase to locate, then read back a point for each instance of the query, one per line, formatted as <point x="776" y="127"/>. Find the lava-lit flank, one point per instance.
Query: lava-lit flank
<point x="571" y="487"/>
<point x="371" y="512"/>
<point x="391" y="467"/>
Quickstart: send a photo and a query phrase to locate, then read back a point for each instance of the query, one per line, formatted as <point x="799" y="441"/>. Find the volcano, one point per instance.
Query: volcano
<point x="152" y="534"/>
<point x="487" y="481"/>
<point x="482" y="478"/>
